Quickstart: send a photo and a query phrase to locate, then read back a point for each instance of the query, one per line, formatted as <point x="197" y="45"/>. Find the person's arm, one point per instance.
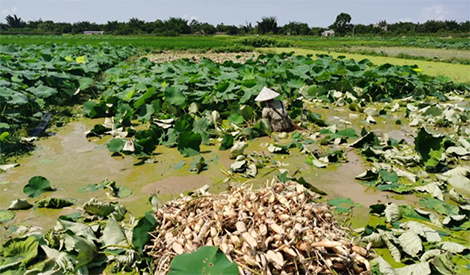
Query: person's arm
<point x="266" y="113"/>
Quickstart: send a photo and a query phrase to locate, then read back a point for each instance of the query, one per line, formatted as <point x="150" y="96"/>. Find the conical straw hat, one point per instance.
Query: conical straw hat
<point x="266" y="94"/>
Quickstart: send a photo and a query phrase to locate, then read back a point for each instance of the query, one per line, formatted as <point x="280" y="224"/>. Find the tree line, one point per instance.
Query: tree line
<point x="267" y="25"/>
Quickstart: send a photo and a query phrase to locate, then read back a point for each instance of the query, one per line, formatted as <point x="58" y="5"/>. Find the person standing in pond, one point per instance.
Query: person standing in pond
<point x="274" y="111"/>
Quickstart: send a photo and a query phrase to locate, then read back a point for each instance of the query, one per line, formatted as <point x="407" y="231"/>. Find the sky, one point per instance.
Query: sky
<point x="317" y="13"/>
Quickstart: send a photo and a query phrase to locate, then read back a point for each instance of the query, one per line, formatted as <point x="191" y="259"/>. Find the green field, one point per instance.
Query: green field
<point x="456" y="72"/>
<point x="451" y="50"/>
<point x="126" y="157"/>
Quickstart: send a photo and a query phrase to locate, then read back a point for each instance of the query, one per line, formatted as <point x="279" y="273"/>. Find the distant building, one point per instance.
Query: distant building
<point x="93" y="32"/>
<point x="328" y="33"/>
<point x="384" y="27"/>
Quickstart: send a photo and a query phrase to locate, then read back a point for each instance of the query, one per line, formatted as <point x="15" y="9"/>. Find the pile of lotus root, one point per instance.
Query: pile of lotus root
<point x="274" y="230"/>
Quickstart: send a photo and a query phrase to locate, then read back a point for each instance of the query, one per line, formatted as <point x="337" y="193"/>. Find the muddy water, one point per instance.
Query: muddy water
<point x="69" y="160"/>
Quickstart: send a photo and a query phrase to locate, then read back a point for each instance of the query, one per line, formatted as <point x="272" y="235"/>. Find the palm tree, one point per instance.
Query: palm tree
<point x="267" y="24"/>
<point x="14" y="21"/>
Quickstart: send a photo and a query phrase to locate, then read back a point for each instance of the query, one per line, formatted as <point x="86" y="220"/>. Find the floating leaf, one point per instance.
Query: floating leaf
<point x="388" y="177"/>
<point x="36" y="186"/>
<point x="93" y="207"/>
<point x="19" y="204"/>
<point x="342" y="205"/>
<point x="55" y="203"/>
<point x="116" y="145"/>
<point x="178" y="165"/>
<point x="6" y="215"/>
<point x="124" y="192"/>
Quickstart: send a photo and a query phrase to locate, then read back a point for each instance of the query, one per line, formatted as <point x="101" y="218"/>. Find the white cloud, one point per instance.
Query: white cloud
<point x="9" y="12"/>
<point x="406" y="19"/>
<point x="436" y="12"/>
<point x="192" y="17"/>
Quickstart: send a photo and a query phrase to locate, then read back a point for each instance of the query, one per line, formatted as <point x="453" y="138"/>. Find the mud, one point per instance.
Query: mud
<point x="69" y="160"/>
<point x="196" y="57"/>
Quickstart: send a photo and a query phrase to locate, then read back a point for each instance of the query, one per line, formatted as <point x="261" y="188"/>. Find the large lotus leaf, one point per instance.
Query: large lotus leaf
<point x="113" y="235"/>
<point x="79" y="229"/>
<point x="188" y="143"/>
<point x="36" y="186"/>
<point x="86" y="249"/>
<point x="410" y="243"/>
<point x="236" y="118"/>
<point x="148" y="94"/>
<point x="440" y="207"/>
<point x="21" y="249"/>
<point x="140" y="233"/>
<point x="119" y="212"/>
<point x="369" y="138"/>
<point x="92" y="109"/>
<point x="174" y="96"/>
<point x="93" y="207"/>
<point x="388" y="177"/>
<point x="392" y="212"/>
<point x="43" y="91"/>
<point x="62" y="259"/>
<point x="453" y="247"/>
<point x="200" y="126"/>
<point x="227" y="142"/>
<point x="55" y="203"/>
<point x="85" y="83"/>
<point x="146" y="112"/>
<point x="430" y="234"/>
<point x="443" y="264"/>
<point x="422" y="268"/>
<point x="460" y="182"/>
<point x="385" y="268"/>
<point x="425" y="142"/>
<point x="391" y="243"/>
<point x="6" y="215"/>
<point x="433" y="189"/>
<point x="207" y="260"/>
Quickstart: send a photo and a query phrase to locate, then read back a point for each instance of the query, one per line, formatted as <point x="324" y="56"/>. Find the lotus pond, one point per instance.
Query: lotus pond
<point x="386" y="147"/>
